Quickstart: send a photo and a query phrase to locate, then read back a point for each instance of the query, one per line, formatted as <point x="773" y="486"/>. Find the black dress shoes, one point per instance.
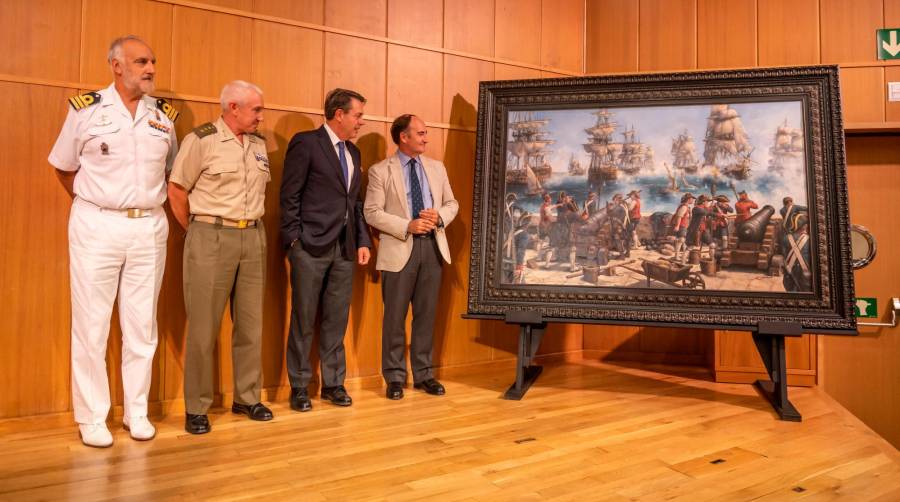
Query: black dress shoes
<point x="394" y="390"/>
<point x="337" y="395"/>
<point x="431" y="386"/>
<point x="300" y="400"/>
<point x="196" y="424"/>
<point x="257" y="411"/>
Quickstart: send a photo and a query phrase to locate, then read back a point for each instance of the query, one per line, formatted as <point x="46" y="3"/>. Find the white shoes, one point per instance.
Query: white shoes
<point x="95" y="435"/>
<point x="140" y="428"/>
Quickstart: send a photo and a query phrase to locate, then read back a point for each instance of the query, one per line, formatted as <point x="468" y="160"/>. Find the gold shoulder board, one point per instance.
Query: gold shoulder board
<point x="84" y="100"/>
<point x="167" y="108"/>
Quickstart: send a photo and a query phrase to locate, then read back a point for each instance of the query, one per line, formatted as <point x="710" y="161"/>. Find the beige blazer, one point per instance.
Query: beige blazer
<point x="387" y="210"/>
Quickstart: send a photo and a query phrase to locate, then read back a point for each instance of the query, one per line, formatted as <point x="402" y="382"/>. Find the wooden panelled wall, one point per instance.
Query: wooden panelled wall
<point x="670" y="35"/>
<point x="417" y="56"/>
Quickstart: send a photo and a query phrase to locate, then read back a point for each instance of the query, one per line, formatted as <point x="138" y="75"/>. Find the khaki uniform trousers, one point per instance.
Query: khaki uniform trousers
<point x="221" y="263"/>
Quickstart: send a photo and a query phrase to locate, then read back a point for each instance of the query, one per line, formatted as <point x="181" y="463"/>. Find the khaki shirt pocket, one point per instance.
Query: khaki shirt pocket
<point x="263" y="175"/>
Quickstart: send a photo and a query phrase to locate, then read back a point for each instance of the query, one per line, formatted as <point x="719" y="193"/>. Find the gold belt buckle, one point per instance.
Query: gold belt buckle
<point x="135" y="212"/>
<point x="242" y="223"/>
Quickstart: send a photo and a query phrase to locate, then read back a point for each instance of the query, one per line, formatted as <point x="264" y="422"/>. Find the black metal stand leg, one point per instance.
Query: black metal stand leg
<point x="771" y="349"/>
<point x="530" y="335"/>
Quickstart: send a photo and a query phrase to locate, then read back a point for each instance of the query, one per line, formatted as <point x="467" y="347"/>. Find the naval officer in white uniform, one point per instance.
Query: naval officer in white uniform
<point x="112" y="154"/>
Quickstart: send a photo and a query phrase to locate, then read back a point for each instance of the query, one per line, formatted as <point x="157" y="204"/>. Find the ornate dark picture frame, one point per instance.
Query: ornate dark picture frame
<point x="824" y="305"/>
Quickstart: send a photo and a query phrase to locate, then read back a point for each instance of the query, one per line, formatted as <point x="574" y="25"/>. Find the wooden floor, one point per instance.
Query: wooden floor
<point x="586" y="431"/>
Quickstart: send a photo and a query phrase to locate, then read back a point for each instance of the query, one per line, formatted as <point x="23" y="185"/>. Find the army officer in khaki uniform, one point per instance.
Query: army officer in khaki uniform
<point x="219" y="178"/>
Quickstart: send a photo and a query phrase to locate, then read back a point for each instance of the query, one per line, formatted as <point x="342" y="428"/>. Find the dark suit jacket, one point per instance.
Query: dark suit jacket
<point x="315" y="203"/>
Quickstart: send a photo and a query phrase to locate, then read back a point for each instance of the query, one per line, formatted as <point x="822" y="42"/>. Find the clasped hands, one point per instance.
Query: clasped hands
<point x="426" y="222"/>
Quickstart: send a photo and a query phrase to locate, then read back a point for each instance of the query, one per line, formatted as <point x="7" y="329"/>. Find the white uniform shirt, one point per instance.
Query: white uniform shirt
<point x="334" y="141"/>
<point x="121" y="161"/>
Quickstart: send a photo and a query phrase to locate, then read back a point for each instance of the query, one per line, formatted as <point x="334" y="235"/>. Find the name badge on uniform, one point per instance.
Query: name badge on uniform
<point x="104" y="149"/>
<point x="261" y="158"/>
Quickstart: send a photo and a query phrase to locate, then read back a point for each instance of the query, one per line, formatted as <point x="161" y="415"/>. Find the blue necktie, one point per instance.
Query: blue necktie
<point x="415" y="190"/>
<point x="344" y="163"/>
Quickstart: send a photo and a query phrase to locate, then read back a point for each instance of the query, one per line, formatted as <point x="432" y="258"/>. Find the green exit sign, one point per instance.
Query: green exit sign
<point x="888" y="44"/>
<point x="865" y="307"/>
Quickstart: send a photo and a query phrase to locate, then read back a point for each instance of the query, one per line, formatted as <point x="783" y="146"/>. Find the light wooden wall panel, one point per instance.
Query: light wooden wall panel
<point x="612" y="36"/>
<point x="668" y="35"/>
<point x="40" y="37"/>
<point x="891" y="13"/>
<point x="199" y="48"/>
<point x="507" y="72"/>
<point x="848" y="30"/>
<point x="862" y="94"/>
<point x="737" y="360"/>
<point x="287" y="64"/>
<point x="34" y="278"/>
<point x="232" y="4"/>
<point x="862" y="372"/>
<point x="461" y="78"/>
<point x="562" y="23"/>
<point x="357" y="64"/>
<point x="464" y="341"/>
<point x="308" y="11"/>
<point x="215" y="49"/>
<point x="364" y="16"/>
<point x="517" y="30"/>
<point x="469" y="26"/>
<point x="414" y="79"/>
<point x="788" y="32"/>
<point x="726" y="33"/>
<point x="657" y="345"/>
<point x="416" y="21"/>
<point x="892" y="108"/>
<point x="153" y="21"/>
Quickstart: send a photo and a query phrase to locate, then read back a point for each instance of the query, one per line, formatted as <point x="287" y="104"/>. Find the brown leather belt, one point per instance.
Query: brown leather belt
<point x="225" y="222"/>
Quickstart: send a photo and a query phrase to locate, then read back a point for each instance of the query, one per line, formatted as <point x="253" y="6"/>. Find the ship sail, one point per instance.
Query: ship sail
<point x="610" y="158"/>
<point x="528" y="144"/>
<point x="575" y="167"/>
<point x="727" y="147"/>
<point x="787" y="149"/>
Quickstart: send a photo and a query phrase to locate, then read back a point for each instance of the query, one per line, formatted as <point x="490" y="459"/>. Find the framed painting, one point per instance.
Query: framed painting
<point x="711" y="199"/>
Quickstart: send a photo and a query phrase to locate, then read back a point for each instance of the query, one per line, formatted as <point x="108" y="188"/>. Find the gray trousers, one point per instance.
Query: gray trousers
<point x="222" y="263"/>
<point x="419" y="282"/>
<point x="326" y="279"/>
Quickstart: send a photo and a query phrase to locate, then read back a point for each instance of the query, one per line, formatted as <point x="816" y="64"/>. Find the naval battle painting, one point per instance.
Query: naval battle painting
<point x="704" y="198"/>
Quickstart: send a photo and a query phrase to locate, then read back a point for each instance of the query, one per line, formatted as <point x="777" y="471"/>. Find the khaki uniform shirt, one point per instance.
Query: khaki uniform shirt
<point x="223" y="177"/>
<point x="121" y="161"/>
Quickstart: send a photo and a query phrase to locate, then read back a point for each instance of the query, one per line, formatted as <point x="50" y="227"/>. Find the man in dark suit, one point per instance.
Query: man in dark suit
<point x="410" y="201"/>
<point x="323" y="228"/>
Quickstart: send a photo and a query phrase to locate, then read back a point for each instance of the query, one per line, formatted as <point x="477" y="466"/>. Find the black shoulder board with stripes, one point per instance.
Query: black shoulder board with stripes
<point x="168" y="109"/>
<point x="204" y="130"/>
<point x="84" y="100"/>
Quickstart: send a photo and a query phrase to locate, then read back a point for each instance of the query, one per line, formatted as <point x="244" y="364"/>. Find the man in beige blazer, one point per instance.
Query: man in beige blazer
<point x="410" y="202"/>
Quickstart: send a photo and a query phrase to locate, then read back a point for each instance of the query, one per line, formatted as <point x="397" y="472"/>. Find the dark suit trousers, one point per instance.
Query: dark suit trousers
<point x="419" y="282"/>
<point x="329" y="279"/>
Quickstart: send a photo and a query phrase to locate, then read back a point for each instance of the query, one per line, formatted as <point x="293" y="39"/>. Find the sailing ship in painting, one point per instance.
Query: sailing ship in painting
<point x="608" y="218"/>
<point x="575" y="167"/>
<point x="609" y="158"/>
<point x="727" y="148"/>
<point x="787" y="150"/>
<point x="684" y="161"/>
<point x="527" y="163"/>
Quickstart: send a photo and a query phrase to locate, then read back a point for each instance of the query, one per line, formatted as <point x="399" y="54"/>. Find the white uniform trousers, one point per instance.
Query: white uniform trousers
<point x="109" y="252"/>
